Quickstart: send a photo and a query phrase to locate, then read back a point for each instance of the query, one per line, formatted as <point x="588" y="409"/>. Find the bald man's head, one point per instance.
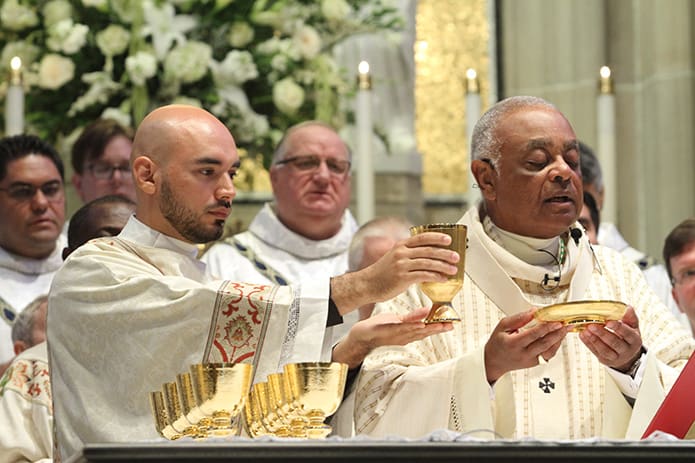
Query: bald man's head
<point x="183" y="161"/>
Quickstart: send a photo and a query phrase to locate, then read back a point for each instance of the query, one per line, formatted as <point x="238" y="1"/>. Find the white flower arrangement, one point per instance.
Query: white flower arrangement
<point x="258" y="65"/>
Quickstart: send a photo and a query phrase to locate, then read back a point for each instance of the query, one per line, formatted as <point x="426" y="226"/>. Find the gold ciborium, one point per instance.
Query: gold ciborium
<point x="198" y="421"/>
<point x="161" y="418"/>
<point x="220" y="391"/>
<point x="315" y="390"/>
<point x="441" y="294"/>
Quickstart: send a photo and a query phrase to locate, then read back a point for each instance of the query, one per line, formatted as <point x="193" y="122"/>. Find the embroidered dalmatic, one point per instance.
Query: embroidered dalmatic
<point x="440" y="382"/>
<point x="21" y="281"/>
<point x="129" y="313"/>
<point x="26" y="417"/>
<point x="270" y="253"/>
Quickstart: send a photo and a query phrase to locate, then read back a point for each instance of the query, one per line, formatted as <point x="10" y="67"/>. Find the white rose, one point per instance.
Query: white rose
<point x="66" y="36"/>
<point x="113" y="40"/>
<point x="237" y="68"/>
<point x="279" y="63"/>
<point x="288" y="97"/>
<point x="17" y="17"/>
<point x="140" y="67"/>
<point x="240" y="34"/>
<point x="55" y="71"/>
<point x="117" y="115"/>
<point x="55" y="11"/>
<point x="188" y="63"/>
<point x="335" y="10"/>
<point x="99" y="4"/>
<point x="307" y="41"/>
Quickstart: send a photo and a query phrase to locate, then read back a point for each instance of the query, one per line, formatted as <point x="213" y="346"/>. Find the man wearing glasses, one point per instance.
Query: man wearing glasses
<point x="679" y="258"/>
<point x="101" y="161"/>
<point x="32" y="207"/>
<point x="305" y="232"/>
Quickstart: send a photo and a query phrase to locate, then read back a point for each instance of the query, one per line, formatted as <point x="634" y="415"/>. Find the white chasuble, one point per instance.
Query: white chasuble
<point x="440" y="382"/>
<point x="129" y="313"/>
<point x="26" y="417"/>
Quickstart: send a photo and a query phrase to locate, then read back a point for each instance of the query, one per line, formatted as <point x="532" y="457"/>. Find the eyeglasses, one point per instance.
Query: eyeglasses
<point x="53" y="191"/>
<point x="312" y="162"/>
<point x="105" y="171"/>
<point x="686" y="277"/>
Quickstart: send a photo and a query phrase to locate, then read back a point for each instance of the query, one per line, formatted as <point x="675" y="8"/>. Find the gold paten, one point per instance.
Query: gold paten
<point x="578" y="314"/>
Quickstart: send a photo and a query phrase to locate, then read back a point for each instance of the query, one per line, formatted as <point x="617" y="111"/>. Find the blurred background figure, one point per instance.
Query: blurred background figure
<point x="32" y="207"/>
<point x="104" y="216"/>
<point x="30" y="327"/>
<point x="371" y="241"/>
<point x="101" y="161"/>
<point x="590" y="218"/>
<point x="607" y="234"/>
<point x="26" y="411"/>
<point x="679" y="256"/>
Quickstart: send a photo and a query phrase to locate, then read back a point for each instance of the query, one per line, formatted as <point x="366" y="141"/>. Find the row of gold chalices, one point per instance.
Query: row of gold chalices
<point x="442" y="294"/>
<point x="214" y="399"/>
<point x="297" y="401"/>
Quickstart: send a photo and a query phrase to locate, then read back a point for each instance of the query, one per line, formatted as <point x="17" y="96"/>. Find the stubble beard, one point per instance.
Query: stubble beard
<point x="185" y="221"/>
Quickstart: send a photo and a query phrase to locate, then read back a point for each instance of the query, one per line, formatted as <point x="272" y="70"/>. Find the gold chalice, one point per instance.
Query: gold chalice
<point x="161" y="418"/>
<point x="316" y="390"/>
<point x="199" y="423"/>
<point x="220" y="391"/>
<point x="175" y="415"/>
<point x="255" y="410"/>
<point x="442" y="294"/>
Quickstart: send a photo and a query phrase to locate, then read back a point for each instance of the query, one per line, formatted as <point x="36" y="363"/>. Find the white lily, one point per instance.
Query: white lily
<point x="165" y="26"/>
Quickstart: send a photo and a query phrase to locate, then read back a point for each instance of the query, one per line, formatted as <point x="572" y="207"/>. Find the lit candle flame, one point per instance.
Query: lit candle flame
<point x="472" y="85"/>
<point x="364" y="81"/>
<point x="16" y="71"/>
<point x="605" y="83"/>
<point x="363" y="67"/>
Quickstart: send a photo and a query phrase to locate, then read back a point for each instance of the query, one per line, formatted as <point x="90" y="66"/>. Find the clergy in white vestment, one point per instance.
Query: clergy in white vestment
<point x="128" y="313"/>
<point x="306" y="230"/>
<point x="32" y="213"/>
<point x="501" y="373"/>
<point x="26" y="418"/>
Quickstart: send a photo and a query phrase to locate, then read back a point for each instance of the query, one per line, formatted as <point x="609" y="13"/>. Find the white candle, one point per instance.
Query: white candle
<point x="14" y="101"/>
<point x="365" y="165"/>
<point x="473" y="107"/>
<point x="606" y="152"/>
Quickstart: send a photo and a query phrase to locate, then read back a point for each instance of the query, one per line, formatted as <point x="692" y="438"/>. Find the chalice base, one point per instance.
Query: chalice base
<point x="441" y="313"/>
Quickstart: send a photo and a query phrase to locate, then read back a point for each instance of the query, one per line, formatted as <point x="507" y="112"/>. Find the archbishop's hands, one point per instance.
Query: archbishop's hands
<point x="384" y="329"/>
<point x="412" y="260"/>
<point x="514" y="344"/>
<point x="618" y="343"/>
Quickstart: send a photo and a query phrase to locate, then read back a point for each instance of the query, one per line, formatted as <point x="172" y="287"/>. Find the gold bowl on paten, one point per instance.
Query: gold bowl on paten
<point x="578" y="314"/>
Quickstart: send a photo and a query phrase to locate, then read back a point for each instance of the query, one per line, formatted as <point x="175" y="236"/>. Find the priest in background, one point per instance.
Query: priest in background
<point x="501" y="373"/>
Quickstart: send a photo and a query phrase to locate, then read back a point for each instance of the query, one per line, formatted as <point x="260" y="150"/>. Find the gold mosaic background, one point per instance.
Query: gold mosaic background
<point x="451" y="36"/>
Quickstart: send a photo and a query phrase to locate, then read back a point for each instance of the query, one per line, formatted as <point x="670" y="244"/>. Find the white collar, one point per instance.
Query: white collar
<point x="30" y="266"/>
<point x="267" y="227"/>
<point x="143" y="234"/>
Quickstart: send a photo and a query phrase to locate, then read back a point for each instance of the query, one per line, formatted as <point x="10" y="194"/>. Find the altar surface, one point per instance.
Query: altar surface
<point x="391" y="451"/>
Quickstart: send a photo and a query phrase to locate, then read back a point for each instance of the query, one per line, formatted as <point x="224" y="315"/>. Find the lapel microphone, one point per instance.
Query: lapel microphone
<point x="576" y="234"/>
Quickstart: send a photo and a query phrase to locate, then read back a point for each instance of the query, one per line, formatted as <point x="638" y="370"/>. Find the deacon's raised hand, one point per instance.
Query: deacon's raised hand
<point x="618" y="343"/>
<point x="413" y="260"/>
<point x="516" y="343"/>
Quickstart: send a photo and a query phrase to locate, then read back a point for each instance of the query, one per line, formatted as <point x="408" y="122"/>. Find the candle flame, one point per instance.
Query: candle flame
<point x="16" y="63"/>
<point x="471" y="74"/>
<point x="605" y="72"/>
<point x="363" y="67"/>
